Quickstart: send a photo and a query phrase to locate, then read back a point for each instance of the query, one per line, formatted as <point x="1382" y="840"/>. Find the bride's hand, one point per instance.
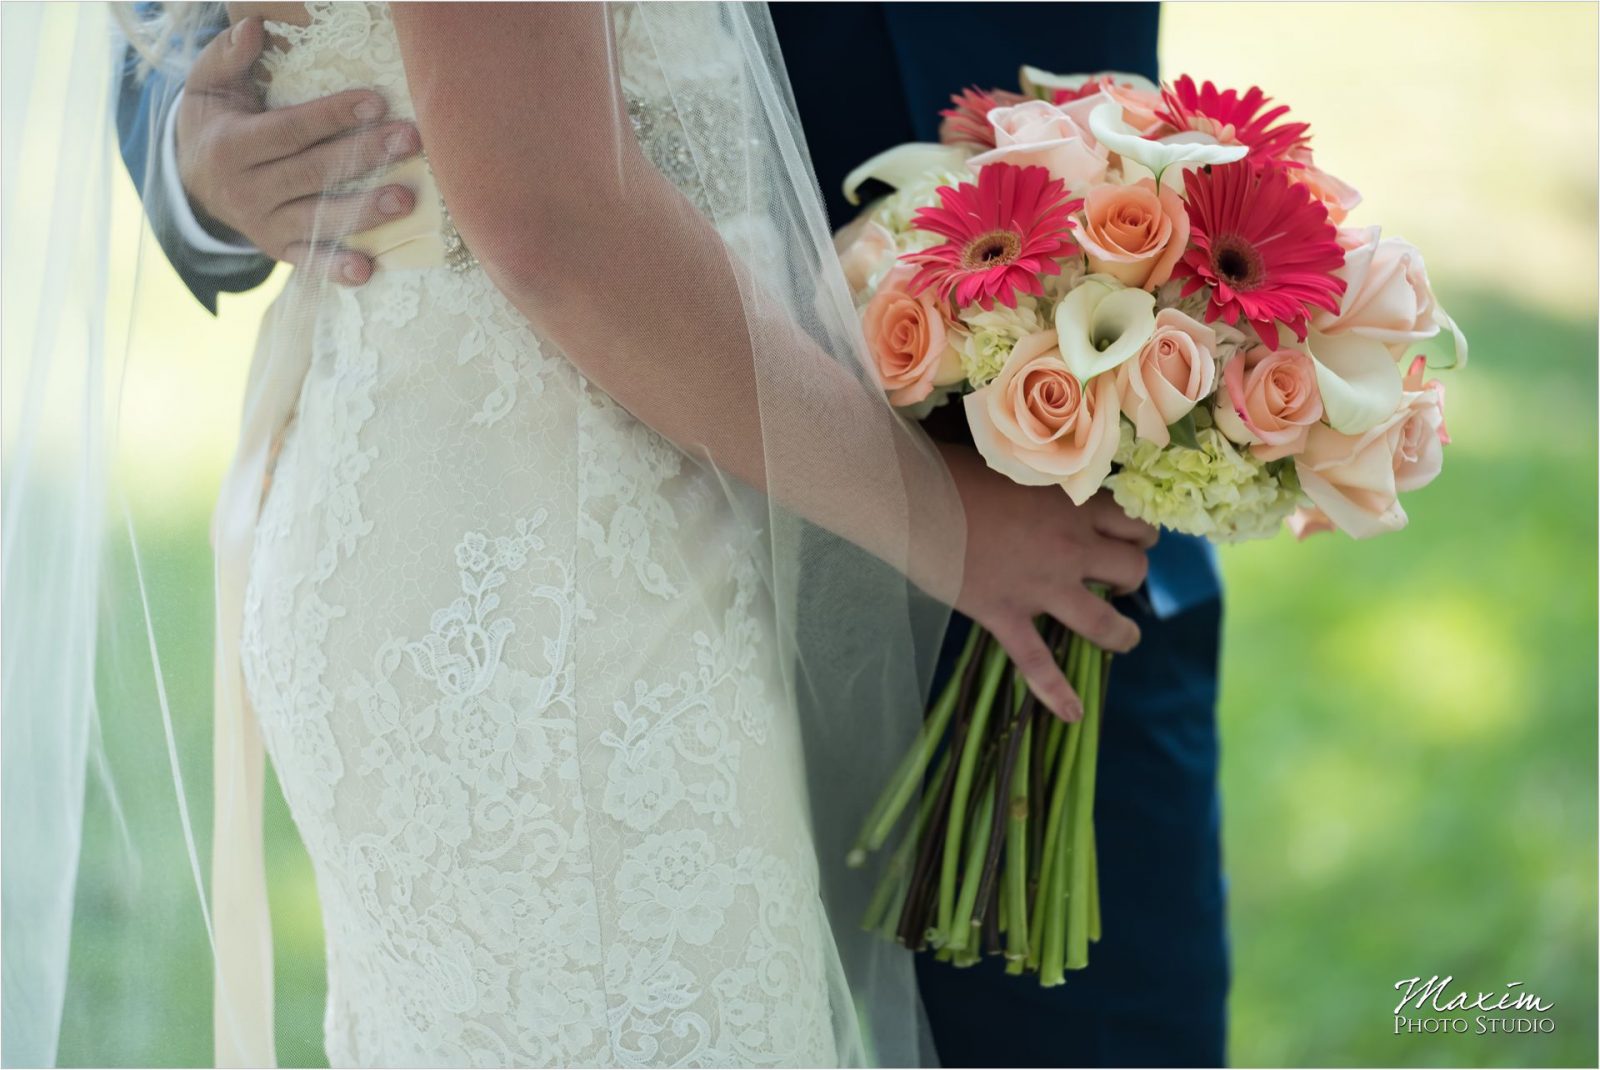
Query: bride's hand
<point x="1030" y="551"/>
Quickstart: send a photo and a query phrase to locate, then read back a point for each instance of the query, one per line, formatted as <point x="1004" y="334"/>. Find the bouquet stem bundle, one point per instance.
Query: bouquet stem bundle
<point x="999" y="857"/>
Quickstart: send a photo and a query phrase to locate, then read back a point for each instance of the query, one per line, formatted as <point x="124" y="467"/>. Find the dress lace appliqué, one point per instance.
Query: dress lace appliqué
<point x="517" y="676"/>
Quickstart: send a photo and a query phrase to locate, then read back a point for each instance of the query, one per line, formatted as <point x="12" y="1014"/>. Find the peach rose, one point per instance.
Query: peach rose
<point x="1041" y="134"/>
<point x="1270" y="401"/>
<point x="1355" y="480"/>
<point x="1308" y="520"/>
<point x="1387" y="296"/>
<point x="1337" y="195"/>
<point x="1036" y="424"/>
<point x="908" y="339"/>
<point x="1132" y="233"/>
<point x="1165" y="379"/>
<point x="865" y="248"/>
<point x="1139" y="107"/>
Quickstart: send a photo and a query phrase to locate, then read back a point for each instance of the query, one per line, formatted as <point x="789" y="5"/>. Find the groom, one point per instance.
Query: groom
<point x="1154" y="993"/>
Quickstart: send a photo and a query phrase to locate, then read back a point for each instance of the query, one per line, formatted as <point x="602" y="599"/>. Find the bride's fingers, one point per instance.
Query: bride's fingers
<point x="1119" y="565"/>
<point x="340" y="265"/>
<point x="1110" y="521"/>
<point x="1095" y="620"/>
<point x="1037" y="664"/>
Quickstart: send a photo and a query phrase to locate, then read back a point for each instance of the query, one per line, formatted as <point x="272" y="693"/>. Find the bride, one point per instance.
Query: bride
<point x="574" y="573"/>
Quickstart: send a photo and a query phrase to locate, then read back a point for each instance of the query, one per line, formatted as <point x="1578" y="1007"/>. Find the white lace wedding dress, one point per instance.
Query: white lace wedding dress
<point x="516" y="673"/>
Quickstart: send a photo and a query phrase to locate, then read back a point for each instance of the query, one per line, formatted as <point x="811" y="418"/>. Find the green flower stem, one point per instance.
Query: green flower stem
<point x="922" y="897"/>
<point x="909" y="776"/>
<point x="1094" y="892"/>
<point x="1014" y="890"/>
<point x="1052" y="956"/>
<point x="960" y="934"/>
<point x="1069" y="665"/>
<point x="1050" y="900"/>
<point x="1083" y="812"/>
<point x="993" y="671"/>
<point x="895" y="880"/>
<point x="1021" y="703"/>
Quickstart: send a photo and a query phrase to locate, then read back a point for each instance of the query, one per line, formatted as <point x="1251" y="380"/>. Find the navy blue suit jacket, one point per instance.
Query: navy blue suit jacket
<point x="870" y="76"/>
<point x="143" y="104"/>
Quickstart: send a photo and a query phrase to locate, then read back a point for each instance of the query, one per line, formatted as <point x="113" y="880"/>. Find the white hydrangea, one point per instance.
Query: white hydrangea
<point x="1073" y="269"/>
<point x="1214" y="491"/>
<point x="896" y="210"/>
<point x="988" y="338"/>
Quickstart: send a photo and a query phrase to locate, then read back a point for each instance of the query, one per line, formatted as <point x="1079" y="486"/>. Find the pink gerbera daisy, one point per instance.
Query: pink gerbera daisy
<point x="1088" y="89"/>
<point x="968" y="122"/>
<point x="1004" y="233"/>
<point x="1263" y="244"/>
<point x="1233" y="119"/>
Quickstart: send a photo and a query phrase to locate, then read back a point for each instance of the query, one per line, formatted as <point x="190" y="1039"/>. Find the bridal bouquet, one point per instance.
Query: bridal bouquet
<point x="1150" y="290"/>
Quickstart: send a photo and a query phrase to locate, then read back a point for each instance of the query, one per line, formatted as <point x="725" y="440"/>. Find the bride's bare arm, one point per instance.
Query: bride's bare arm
<point x="526" y="129"/>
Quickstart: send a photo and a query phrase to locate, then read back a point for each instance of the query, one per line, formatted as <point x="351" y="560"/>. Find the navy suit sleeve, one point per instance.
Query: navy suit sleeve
<point x="142" y="107"/>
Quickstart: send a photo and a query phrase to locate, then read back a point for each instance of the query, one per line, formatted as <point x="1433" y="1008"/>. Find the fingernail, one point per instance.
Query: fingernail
<point x="368" y="110"/>
<point x="350" y="272"/>
<point x="389" y="202"/>
<point x="233" y="34"/>
<point x="399" y="142"/>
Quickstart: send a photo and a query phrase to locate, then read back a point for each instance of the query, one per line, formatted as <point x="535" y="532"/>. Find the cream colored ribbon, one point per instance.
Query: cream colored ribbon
<point x="241" y="923"/>
<point x="242" y="1009"/>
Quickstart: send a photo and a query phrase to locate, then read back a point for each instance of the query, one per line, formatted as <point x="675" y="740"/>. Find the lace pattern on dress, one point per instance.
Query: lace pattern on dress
<point x="517" y="676"/>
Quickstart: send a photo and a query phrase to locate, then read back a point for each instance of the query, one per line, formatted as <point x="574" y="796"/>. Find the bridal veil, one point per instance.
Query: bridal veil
<point x="846" y="499"/>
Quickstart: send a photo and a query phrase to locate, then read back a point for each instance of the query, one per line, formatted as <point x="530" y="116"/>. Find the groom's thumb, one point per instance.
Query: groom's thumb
<point x="223" y="66"/>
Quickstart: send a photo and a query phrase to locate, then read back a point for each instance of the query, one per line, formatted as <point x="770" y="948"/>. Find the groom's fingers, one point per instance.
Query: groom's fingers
<point x="323" y="166"/>
<point x="286" y="132"/>
<point x="326" y="219"/>
<point x="222" y="67"/>
<point x="1033" y="659"/>
<point x="343" y="266"/>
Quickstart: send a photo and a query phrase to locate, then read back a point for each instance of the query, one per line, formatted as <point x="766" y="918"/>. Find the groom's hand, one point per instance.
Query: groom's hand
<point x="1030" y="551"/>
<point x="262" y="174"/>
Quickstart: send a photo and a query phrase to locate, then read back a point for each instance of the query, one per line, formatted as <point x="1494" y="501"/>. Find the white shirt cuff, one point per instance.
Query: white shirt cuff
<point x="189" y="229"/>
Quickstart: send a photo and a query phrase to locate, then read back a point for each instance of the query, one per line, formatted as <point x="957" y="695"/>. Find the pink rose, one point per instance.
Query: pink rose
<point x="1035" y="423"/>
<point x="1041" y="134"/>
<point x="907" y="336"/>
<point x="1355" y="480"/>
<point x="1164" y="380"/>
<point x="1133" y="233"/>
<point x="1270" y="401"/>
<point x="1387" y="296"/>
<point x="865" y="247"/>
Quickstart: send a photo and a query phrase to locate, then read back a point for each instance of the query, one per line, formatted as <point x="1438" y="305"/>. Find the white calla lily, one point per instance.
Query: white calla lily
<point x="1102" y="323"/>
<point x="1033" y="79"/>
<point x="905" y="163"/>
<point x="1191" y="148"/>
<point x="1358" y="378"/>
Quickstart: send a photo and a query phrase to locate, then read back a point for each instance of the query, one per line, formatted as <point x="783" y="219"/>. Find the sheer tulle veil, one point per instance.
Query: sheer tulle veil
<point x="846" y="499"/>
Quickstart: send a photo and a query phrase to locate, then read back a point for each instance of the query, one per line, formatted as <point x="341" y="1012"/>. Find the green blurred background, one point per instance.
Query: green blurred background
<point x="1409" y="726"/>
